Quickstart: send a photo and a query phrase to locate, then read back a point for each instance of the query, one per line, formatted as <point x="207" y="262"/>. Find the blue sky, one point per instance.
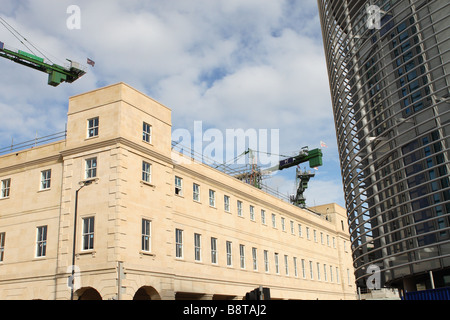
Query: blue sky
<point x="231" y="64"/>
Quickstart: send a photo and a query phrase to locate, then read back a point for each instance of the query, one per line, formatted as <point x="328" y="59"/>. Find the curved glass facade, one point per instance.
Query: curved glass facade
<point x="389" y="74"/>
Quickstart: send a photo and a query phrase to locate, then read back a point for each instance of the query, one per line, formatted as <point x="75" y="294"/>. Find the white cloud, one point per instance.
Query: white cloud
<point x="230" y="63"/>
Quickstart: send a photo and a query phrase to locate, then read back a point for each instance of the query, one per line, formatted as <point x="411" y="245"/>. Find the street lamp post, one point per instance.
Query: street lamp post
<point x="83" y="184"/>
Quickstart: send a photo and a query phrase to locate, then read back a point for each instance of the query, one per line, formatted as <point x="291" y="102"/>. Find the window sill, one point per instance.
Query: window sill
<point x="44" y="190"/>
<point x="91" y="138"/>
<point x="145" y="183"/>
<point x="87" y="252"/>
<point x="147" y="253"/>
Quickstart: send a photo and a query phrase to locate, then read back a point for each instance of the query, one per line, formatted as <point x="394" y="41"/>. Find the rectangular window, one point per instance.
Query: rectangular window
<point x="295" y="267"/>
<point x="93" y="127"/>
<point x="307" y="233"/>
<point x="283" y="224"/>
<point x="242" y="256"/>
<point x="179" y="243"/>
<point x="325" y="272"/>
<point x="274" y="221"/>
<point x="88" y="233"/>
<point x="300" y="234"/>
<point x="311" y="273"/>
<point x="318" y="271"/>
<point x="303" y="269"/>
<point x="239" y="208"/>
<point x="196" y="192"/>
<point x="315" y="235"/>
<point x="2" y="245"/>
<point x="263" y="216"/>
<point x="6" y="186"/>
<point x="91" y="168"/>
<point x="255" y="258"/>
<point x="226" y="203"/>
<point x="292" y="227"/>
<point x="147" y="132"/>
<point x="146" y="235"/>
<point x="331" y="274"/>
<point x="146" y="172"/>
<point x="252" y="213"/>
<point x="337" y="274"/>
<point x="266" y="260"/>
<point x="214" y="250"/>
<point x="41" y="241"/>
<point x="178" y="186"/>
<point x="321" y="238"/>
<point x="212" y="198"/>
<point x="286" y="264"/>
<point x="229" y="254"/>
<point x="277" y="267"/>
<point x="197" y="247"/>
<point x="46" y="179"/>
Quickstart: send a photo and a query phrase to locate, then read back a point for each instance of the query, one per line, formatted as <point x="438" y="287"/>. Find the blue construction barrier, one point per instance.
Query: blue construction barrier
<point x="432" y="294"/>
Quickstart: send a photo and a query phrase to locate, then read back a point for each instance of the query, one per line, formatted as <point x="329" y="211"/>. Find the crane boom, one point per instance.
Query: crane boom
<point x="56" y="73"/>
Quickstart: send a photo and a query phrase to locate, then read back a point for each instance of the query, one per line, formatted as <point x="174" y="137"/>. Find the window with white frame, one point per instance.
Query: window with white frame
<point x="295" y="267"/>
<point x="178" y="186"/>
<point x="147" y="132"/>
<point x="315" y="235"/>
<point x="212" y="198"/>
<point x="214" y="250"/>
<point x="318" y="271"/>
<point x="229" y="254"/>
<point x="196" y="192"/>
<point x="179" y="243"/>
<point x="283" y="224"/>
<point x="41" y="241"/>
<point x="266" y="260"/>
<point x="146" y="172"/>
<point x="308" y="234"/>
<point x="2" y="245"/>
<point x="255" y="258"/>
<point x="311" y="271"/>
<point x="277" y="267"/>
<point x="303" y="269"/>
<point x="325" y="278"/>
<point x="46" y="177"/>
<point x="93" y="125"/>
<point x="6" y="186"/>
<point x="242" y="256"/>
<point x="252" y="213"/>
<point x="239" y="208"/>
<point x="88" y="233"/>
<point x="292" y="227"/>
<point x="226" y="203"/>
<point x="197" y="247"/>
<point x="263" y="216"/>
<point x="146" y="235"/>
<point x="286" y="264"/>
<point x="274" y="221"/>
<point x="300" y="233"/>
<point x="91" y="168"/>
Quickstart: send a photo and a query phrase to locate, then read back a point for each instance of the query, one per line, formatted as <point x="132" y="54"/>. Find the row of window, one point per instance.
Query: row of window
<point x="41" y="239"/>
<point x="88" y="234"/>
<point x="45" y="184"/>
<point x="295" y="228"/>
<point x="93" y="126"/>
<point x="320" y="272"/>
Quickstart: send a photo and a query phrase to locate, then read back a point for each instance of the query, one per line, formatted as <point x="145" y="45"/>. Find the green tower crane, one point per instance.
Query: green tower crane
<point x="56" y="73"/>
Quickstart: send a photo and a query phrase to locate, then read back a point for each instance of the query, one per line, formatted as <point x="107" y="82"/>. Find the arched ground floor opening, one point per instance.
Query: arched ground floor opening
<point x="146" y="293"/>
<point x="87" y="293"/>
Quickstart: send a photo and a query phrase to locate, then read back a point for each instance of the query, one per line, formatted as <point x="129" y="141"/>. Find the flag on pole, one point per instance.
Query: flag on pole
<point x="91" y="62"/>
<point x="323" y="144"/>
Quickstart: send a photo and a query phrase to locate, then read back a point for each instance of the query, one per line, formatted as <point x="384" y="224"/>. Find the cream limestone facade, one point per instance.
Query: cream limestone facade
<point x="149" y="227"/>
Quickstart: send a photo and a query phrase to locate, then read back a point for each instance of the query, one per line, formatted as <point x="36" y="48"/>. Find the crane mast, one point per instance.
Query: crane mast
<point x="314" y="157"/>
